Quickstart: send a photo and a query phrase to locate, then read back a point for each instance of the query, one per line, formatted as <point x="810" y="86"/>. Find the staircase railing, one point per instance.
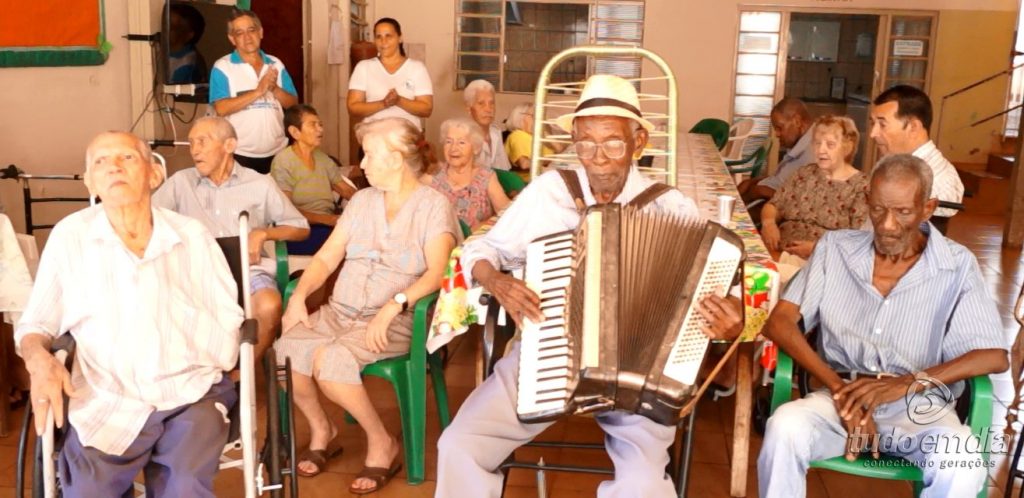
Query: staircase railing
<point x="971" y="86"/>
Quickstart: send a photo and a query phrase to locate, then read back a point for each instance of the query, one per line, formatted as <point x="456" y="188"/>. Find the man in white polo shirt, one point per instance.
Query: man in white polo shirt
<point x="252" y="89"/>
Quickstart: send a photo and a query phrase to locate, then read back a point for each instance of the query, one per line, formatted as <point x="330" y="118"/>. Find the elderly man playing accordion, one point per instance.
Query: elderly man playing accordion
<point x="607" y="130"/>
<point x="151" y="303"/>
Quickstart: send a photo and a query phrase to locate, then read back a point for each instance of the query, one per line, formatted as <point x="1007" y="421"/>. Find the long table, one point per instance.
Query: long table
<point x="702" y="176"/>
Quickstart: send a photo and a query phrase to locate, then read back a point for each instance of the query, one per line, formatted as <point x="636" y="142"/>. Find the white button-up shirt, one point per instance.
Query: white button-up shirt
<point x="545" y="207"/>
<point x="946" y="184"/>
<point x="152" y="333"/>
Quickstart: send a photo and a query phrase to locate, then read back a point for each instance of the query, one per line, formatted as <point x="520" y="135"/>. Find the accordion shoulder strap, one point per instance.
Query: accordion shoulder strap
<point x="651" y="193"/>
<point x="572" y="182"/>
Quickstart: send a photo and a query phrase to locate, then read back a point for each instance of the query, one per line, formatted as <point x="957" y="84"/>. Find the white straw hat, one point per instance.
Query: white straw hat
<point x="606" y="95"/>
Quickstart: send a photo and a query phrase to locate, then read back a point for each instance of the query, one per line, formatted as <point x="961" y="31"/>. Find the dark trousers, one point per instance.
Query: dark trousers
<point x="178" y="451"/>
<point x="317" y="236"/>
<point x="258" y="164"/>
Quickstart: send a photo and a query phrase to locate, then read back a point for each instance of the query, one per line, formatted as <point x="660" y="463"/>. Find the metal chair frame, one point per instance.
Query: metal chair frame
<point x="555" y="99"/>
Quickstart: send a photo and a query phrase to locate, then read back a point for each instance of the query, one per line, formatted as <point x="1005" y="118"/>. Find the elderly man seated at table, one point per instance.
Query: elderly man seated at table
<point x="827" y="194"/>
<point x="897" y="310"/>
<point x="607" y="129"/>
<point x="791" y="123"/>
<point x="479" y="98"/>
<point x="472" y="189"/>
<point x="149" y="299"/>
<point x="215" y="191"/>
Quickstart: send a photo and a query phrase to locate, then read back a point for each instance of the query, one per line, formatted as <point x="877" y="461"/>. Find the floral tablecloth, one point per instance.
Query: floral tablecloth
<point x="703" y="177"/>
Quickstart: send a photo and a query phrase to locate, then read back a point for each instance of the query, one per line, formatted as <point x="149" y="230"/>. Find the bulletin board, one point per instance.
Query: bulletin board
<point x="47" y="33"/>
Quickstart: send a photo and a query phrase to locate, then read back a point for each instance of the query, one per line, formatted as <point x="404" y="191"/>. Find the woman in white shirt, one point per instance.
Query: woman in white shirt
<point x="390" y="85"/>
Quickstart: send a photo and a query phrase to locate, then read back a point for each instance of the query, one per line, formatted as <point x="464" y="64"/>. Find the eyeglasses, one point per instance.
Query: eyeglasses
<point x="613" y="149"/>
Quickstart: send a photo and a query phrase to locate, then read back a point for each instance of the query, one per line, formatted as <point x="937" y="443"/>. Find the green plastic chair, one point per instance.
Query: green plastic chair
<point x="406" y="373"/>
<point x="718" y="129"/>
<point x="752" y="164"/>
<point x="510" y="182"/>
<point x="979" y="417"/>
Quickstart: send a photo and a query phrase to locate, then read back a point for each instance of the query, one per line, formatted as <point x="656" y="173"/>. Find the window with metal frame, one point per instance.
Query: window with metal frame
<point x="508" y="43"/>
<point x="757" y="66"/>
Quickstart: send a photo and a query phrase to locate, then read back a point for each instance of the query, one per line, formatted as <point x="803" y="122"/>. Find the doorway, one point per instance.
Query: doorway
<point x="283" y="36"/>
<point x="830" y="65"/>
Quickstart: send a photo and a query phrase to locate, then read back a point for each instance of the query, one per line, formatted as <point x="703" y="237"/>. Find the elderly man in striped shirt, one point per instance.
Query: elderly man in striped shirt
<point x="896" y="310"/>
<point x="215" y="191"/>
<point x="149" y="299"/>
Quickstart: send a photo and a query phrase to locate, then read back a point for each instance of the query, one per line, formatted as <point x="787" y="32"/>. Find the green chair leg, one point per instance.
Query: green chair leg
<point x="918" y="488"/>
<point x="412" y="405"/>
<point x="440" y="390"/>
<point x="407" y="375"/>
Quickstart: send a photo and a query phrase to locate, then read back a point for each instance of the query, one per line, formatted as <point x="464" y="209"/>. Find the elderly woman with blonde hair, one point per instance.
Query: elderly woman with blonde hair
<point x="826" y="195"/>
<point x="472" y="189"/>
<point x="395" y="238"/>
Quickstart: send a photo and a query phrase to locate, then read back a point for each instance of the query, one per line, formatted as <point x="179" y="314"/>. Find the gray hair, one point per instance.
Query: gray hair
<point x="237" y="13"/>
<point x="517" y="118"/>
<point x="476" y="135"/>
<point x="473" y="88"/>
<point x="905" y="167"/>
<point x="399" y="135"/>
<point x="222" y="128"/>
<point x="140" y="145"/>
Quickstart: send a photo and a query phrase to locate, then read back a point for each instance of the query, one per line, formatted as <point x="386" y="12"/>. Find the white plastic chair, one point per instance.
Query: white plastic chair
<point x="738" y="134"/>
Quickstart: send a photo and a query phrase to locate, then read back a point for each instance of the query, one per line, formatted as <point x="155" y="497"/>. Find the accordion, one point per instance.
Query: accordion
<point x="621" y="329"/>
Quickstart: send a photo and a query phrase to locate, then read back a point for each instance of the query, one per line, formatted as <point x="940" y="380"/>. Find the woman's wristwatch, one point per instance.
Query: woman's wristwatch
<point x="402" y="301"/>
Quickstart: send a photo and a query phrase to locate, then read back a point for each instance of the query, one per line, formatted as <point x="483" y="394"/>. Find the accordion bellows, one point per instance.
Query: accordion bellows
<point x="621" y="329"/>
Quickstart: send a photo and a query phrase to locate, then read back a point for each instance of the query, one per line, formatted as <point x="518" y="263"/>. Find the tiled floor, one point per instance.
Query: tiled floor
<point x="710" y="466"/>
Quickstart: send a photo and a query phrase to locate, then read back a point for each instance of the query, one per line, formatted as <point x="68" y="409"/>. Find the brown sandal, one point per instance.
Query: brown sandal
<point x="316" y="457"/>
<point x="379" y="475"/>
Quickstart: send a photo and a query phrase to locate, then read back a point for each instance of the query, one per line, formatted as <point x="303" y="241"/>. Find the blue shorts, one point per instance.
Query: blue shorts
<point x="259" y="280"/>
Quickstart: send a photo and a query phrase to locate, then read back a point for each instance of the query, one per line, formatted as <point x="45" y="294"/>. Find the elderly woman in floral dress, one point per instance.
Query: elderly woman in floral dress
<point x="827" y="195"/>
<point x="472" y="189"/>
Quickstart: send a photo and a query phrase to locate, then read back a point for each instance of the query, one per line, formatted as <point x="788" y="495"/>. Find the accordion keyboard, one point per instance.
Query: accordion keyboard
<point x="544" y="374"/>
<point x="691" y="344"/>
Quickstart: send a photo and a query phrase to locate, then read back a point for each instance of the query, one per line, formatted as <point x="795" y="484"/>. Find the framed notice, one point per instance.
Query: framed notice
<point x="908" y="48"/>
